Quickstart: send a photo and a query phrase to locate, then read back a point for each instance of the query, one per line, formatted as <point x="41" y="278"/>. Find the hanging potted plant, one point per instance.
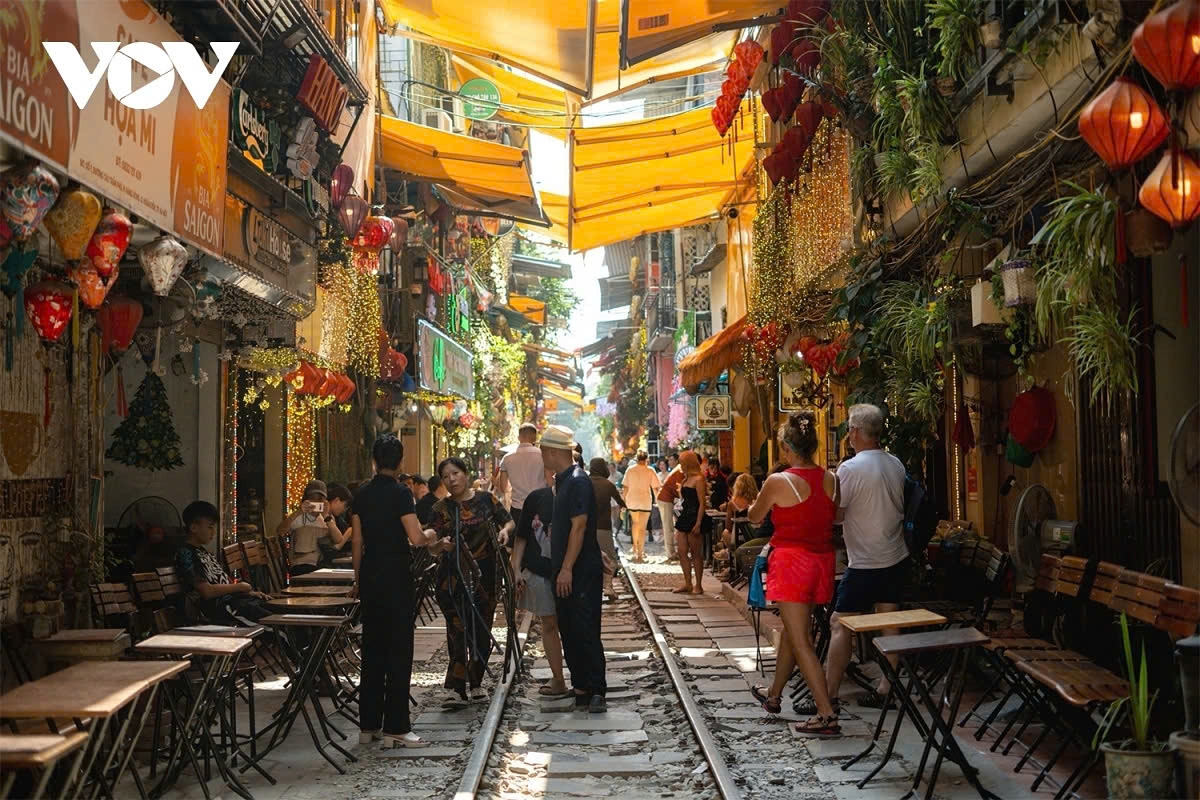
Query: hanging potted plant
<point x="1138" y="767"/>
<point x="958" y="42"/>
<point x="991" y="33"/>
<point x="1020" y="288"/>
<point x="1146" y="234"/>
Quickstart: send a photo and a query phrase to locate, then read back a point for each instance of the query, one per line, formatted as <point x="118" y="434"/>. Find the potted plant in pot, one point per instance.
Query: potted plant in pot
<point x="1138" y="767"/>
<point x="958" y="42"/>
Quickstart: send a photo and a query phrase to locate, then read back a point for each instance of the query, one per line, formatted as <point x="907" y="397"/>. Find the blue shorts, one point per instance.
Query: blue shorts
<point x="861" y="589"/>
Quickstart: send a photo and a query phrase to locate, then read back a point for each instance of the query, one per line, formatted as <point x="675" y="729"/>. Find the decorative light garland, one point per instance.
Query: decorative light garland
<point x="301" y="454"/>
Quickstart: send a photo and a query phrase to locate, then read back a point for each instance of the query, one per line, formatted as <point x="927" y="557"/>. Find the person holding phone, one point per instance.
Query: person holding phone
<point x="308" y="526"/>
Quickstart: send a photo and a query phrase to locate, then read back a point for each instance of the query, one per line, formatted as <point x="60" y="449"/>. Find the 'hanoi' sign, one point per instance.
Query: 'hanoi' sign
<point x="322" y="93"/>
<point x="445" y="365"/>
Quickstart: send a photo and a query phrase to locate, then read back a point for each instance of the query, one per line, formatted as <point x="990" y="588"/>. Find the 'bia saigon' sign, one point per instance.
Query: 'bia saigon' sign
<point x="445" y="366"/>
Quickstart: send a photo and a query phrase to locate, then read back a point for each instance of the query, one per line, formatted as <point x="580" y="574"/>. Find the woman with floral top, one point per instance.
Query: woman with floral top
<point x="466" y="579"/>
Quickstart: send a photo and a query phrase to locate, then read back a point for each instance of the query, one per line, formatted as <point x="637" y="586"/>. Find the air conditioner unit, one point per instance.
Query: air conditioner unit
<point x="436" y="118"/>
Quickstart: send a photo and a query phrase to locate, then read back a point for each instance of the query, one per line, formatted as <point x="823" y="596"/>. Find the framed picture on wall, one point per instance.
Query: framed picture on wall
<point x="714" y="412"/>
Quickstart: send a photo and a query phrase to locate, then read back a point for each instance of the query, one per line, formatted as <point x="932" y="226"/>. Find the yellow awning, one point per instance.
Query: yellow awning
<point x="533" y="310"/>
<point x="555" y="206"/>
<point x="571" y="398"/>
<point x="627" y="180"/>
<point x="549" y="40"/>
<point x="658" y="26"/>
<point x="537" y="105"/>
<point x="473" y="174"/>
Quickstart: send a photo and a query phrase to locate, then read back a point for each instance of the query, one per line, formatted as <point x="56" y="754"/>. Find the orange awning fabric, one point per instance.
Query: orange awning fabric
<point x="472" y="174"/>
<point x="550" y="40"/>
<point x="557" y="211"/>
<point x="652" y="175"/>
<point x="526" y="101"/>
<point x="533" y="310"/>
<point x="715" y="354"/>
<point x="653" y="27"/>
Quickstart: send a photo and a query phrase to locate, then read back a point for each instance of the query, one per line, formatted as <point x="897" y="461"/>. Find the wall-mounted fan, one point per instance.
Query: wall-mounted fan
<point x="1184" y="470"/>
<point x="1035" y="530"/>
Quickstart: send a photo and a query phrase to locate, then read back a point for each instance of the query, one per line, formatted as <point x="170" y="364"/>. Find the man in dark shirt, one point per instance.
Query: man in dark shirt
<point x="577" y="567"/>
<point x="425" y="503"/>
<point x="219" y="599"/>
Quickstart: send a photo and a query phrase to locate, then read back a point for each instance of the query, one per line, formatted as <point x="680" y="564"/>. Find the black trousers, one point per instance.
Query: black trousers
<point x="579" y="626"/>
<point x="387" y="655"/>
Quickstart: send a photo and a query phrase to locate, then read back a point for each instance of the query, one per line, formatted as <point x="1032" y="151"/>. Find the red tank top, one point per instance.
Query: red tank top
<point x="808" y="524"/>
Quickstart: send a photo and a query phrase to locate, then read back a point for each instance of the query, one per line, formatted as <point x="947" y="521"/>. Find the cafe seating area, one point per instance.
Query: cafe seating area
<point x="156" y="696"/>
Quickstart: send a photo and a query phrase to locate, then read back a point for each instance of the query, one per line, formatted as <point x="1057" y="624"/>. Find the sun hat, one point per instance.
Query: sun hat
<point x="316" y="487"/>
<point x="558" y="437"/>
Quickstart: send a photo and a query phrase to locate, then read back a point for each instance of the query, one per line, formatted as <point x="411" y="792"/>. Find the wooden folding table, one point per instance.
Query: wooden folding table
<point x="93" y="694"/>
<point x="342" y="577"/>
<point x="37" y="753"/>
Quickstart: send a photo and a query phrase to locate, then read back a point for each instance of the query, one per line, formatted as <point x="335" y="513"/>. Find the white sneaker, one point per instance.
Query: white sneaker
<point x="366" y="737"/>
<point x="478" y="695"/>
<point x="409" y="740"/>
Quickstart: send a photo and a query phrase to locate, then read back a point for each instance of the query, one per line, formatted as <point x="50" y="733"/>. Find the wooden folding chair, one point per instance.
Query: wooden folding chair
<point x="112" y="605"/>
<point x="235" y="559"/>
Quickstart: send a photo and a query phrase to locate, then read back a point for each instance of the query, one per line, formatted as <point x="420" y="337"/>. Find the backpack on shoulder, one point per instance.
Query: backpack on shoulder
<point x="920" y="517"/>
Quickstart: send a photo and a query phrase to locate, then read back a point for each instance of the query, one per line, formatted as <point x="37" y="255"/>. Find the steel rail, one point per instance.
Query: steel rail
<point x="711" y="751"/>
<point x="482" y="746"/>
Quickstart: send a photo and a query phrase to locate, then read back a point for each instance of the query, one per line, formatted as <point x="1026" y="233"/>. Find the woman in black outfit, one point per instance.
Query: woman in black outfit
<point x="385" y="527"/>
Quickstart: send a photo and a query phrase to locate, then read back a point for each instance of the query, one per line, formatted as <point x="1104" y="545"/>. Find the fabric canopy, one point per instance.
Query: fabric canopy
<point x="713" y="356"/>
<point x="524" y="101"/>
<point x="555" y="206"/>
<point x="660" y="173"/>
<point x="549" y="40"/>
<point x="533" y="310"/>
<point x="471" y="173"/>
<point x="570" y="398"/>
<point x="657" y="26"/>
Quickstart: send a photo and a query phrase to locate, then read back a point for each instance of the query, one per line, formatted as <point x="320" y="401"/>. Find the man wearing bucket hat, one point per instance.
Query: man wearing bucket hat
<point x="577" y="567"/>
<point x="309" y="526"/>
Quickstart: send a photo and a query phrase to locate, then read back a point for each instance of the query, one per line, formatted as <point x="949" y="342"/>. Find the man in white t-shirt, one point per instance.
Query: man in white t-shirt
<point x="522" y="469"/>
<point x="871" y="508"/>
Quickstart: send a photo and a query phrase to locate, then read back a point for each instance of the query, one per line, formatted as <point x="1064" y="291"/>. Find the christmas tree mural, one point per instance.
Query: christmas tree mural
<point x="147" y="438"/>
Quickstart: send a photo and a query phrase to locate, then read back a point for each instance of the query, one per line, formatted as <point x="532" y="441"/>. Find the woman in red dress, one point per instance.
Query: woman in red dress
<point x="803" y="501"/>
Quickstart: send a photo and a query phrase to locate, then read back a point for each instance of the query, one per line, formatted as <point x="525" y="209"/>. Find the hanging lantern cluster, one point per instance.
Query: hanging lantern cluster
<point x="393" y="366"/>
<point x="320" y="386"/>
<point x="747" y="56"/>
<point x="373" y="235"/>
<point x="1124" y="124"/>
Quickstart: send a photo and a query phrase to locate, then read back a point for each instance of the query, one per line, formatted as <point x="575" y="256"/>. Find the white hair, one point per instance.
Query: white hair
<point x="868" y="419"/>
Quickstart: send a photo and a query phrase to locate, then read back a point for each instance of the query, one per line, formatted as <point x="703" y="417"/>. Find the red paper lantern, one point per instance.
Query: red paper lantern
<point x="781" y="39"/>
<point x="341" y="184"/>
<point x="118" y="320"/>
<point x="399" y="235"/>
<point x="807" y="12"/>
<point x="794" y="145"/>
<point x="1168" y="45"/>
<point x="772" y="101"/>
<point x="777" y="166"/>
<point x="329" y="383"/>
<point x="92" y="288"/>
<point x="305" y="379"/>
<point x="109" y="242"/>
<point x="806" y="55"/>
<point x="346" y="390"/>
<point x="803" y="344"/>
<point x="393" y="365"/>
<point x="808" y="117"/>
<point x="750" y="52"/>
<point x="1123" y="124"/>
<point x="793" y="93"/>
<point x="1172" y="191"/>
<point x="48" y="304"/>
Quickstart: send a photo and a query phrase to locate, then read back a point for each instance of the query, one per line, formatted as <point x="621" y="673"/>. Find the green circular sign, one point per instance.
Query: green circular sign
<point x="481" y="98"/>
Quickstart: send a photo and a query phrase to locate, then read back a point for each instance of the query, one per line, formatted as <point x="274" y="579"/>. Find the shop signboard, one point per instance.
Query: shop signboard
<point x="261" y="246"/>
<point x="481" y="99"/>
<point x="323" y="94"/>
<point x="445" y="365"/>
<point x="253" y="132"/>
<point x="714" y="412"/>
<point x="166" y="164"/>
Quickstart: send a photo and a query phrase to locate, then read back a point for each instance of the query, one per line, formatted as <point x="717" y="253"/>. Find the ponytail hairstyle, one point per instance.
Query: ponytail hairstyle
<point x="799" y="433"/>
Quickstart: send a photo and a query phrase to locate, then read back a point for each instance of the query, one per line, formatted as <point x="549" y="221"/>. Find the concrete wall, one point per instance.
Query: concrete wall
<point x="196" y="413"/>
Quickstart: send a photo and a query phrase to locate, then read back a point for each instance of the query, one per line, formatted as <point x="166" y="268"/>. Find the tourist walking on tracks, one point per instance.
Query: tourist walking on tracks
<point x="522" y="469"/>
<point x="477" y="525"/>
<point x="384" y="525"/>
<point x="872" y="507"/>
<point x="670" y="477"/>
<point x="534" y="571"/>
<point x="577" y="567"/>
<point x="800" y="563"/>
<point x="608" y="497"/>
<point x="640" y="488"/>
<point x="689" y="545"/>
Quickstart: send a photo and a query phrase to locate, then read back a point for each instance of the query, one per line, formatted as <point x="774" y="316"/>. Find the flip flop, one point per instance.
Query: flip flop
<point x="546" y="691"/>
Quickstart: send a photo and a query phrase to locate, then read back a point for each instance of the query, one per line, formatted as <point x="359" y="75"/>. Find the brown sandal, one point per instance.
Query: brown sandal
<point x="819" y="727"/>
